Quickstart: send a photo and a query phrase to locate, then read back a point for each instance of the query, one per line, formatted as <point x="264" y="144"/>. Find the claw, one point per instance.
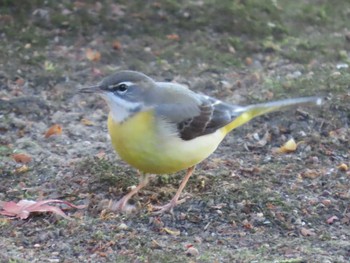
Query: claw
<point x="122" y="205"/>
<point x="168" y="208"/>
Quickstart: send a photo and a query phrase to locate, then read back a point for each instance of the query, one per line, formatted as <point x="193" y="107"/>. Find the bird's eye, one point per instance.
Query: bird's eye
<point x="122" y="88"/>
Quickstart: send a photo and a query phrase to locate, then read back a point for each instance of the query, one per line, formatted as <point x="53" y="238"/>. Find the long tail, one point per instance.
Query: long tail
<point x="247" y="113"/>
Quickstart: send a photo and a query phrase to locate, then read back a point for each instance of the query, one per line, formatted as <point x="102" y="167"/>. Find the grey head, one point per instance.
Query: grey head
<point x="128" y="92"/>
<point x="124" y="92"/>
<point x="127" y="84"/>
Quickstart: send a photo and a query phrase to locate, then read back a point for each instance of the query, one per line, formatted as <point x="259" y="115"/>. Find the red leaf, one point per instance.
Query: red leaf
<point x="54" y="129"/>
<point x="23" y="208"/>
<point x="332" y="219"/>
<point x="21" y="158"/>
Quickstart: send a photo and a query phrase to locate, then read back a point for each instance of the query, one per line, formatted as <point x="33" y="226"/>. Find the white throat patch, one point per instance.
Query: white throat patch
<point x="120" y="109"/>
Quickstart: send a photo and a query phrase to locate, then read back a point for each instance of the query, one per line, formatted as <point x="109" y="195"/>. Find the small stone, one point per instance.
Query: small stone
<point x="123" y="226"/>
<point x="192" y="251"/>
<point x="342" y="66"/>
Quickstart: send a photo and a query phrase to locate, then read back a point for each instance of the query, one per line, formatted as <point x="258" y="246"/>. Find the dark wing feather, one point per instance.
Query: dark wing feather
<point x="213" y="114"/>
<point x="192" y="114"/>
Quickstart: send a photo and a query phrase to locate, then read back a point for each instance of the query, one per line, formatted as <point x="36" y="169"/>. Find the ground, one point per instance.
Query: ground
<point x="248" y="203"/>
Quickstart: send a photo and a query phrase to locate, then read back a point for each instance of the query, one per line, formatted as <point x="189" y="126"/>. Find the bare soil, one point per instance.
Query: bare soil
<point x="247" y="203"/>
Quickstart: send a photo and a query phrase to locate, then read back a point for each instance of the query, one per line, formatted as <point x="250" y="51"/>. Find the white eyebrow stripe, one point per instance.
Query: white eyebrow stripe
<point x="127" y="83"/>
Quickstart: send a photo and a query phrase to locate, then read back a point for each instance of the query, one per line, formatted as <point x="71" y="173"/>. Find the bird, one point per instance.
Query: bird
<point x="164" y="127"/>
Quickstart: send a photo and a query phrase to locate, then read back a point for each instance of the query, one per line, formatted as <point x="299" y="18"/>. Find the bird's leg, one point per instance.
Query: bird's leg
<point x="122" y="204"/>
<point x="175" y="201"/>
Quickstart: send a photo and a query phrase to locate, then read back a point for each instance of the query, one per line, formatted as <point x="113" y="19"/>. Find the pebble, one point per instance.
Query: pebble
<point x="123" y="226"/>
<point x="192" y="251"/>
<point x="342" y="66"/>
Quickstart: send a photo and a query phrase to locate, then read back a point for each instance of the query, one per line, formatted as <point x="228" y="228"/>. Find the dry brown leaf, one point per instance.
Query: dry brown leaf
<point x="270" y="206"/>
<point x="311" y="173"/>
<point x="332" y="219"/>
<point x="22" y="169"/>
<point x="23" y="208"/>
<point x="248" y="61"/>
<point x="53" y="130"/>
<point x="326" y="202"/>
<point x="155" y="244"/>
<point x="343" y="167"/>
<point x="169" y="231"/>
<point x="101" y="155"/>
<point x="20" y="82"/>
<point x="192" y="251"/>
<point x="247" y="224"/>
<point x="6" y="18"/>
<point x="21" y="158"/>
<point x="307" y="232"/>
<point x="289" y="146"/>
<point x="175" y="37"/>
<point x="96" y="72"/>
<point x="87" y="122"/>
<point x="117" y="45"/>
<point x="92" y="55"/>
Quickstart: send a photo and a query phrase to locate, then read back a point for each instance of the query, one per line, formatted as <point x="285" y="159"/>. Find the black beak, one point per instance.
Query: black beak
<point x="92" y="89"/>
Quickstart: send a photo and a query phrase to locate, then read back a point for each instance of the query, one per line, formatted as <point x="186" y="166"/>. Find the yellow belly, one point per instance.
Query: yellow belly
<point x="143" y="144"/>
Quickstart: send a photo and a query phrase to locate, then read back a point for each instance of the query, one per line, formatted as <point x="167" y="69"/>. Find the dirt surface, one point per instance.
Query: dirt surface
<point x="247" y="202"/>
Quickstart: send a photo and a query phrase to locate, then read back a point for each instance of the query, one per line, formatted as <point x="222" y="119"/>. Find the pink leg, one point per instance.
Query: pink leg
<point x="122" y="204"/>
<point x="175" y="201"/>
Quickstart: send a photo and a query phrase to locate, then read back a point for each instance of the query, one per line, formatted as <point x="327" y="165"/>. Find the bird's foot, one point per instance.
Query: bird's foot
<point x="120" y="206"/>
<point x="168" y="208"/>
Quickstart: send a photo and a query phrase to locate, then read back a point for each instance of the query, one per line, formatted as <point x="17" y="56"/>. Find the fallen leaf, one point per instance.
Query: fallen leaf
<point x="343" y="167"/>
<point x="339" y="134"/>
<point x="23" y="208"/>
<point x="87" y="122"/>
<point x="332" y="219"/>
<point x="22" y="169"/>
<point x="175" y="37"/>
<point x="346" y="219"/>
<point x="311" y="173"/>
<point x="248" y="61"/>
<point x="247" y="225"/>
<point x="92" y="55"/>
<point x="171" y="232"/>
<point x="100" y="155"/>
<point x="116" y="9"/>
<point x="96" y="72"/>
<point x="21" y="158"/>
<point x="20" y="82"/>
<point x="53" y="130"/>
<point x="270" y="206"/>
<point x="192" y="251"/>
<point x="326" y="202"/>
<point x="289" y="146"/>
<point x="307" y="232"/>
<point x="49" y="66"/>
<point x="117" y="45"/>
<point x="155" y="244"/>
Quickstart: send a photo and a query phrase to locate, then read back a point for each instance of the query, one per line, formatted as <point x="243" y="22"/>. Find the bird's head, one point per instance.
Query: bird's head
<point x="126" y="92"/>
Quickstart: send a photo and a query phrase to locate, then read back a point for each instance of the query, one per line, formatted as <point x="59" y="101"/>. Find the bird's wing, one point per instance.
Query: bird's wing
<point x="213" y="114"/>
<point x="201" y="115"/>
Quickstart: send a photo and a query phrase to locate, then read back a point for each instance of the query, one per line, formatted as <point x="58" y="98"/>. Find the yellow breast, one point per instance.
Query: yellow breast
<point x="147" y="144"/>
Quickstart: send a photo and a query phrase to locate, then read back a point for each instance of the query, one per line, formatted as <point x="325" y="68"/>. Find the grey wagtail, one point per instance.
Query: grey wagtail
<point x="163" y="127"/>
